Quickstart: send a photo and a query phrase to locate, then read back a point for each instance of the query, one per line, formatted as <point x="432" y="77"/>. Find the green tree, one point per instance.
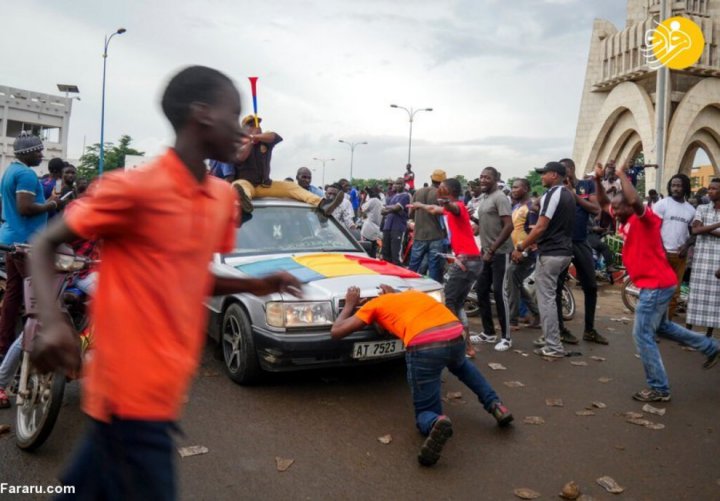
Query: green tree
<point x="114" y="157"/>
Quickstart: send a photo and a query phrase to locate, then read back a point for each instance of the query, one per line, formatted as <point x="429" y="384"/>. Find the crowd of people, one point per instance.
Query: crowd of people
<point x="134" y="389"/>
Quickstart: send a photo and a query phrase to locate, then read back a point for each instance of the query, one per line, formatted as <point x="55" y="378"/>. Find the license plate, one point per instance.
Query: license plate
<point x="377" y="349"/>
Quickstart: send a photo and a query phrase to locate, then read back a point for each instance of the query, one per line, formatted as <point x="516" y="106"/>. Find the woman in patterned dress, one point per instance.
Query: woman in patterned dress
<point x="704" y="303"/>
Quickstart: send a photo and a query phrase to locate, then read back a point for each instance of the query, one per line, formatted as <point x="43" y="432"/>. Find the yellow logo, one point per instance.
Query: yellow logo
<point x="676" y="43"/>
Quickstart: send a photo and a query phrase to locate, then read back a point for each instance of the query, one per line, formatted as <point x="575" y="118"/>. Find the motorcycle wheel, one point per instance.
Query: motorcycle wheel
<point x="630" y="294"/>
<point x="37" y="415"/>
<point x="568" y="303"/>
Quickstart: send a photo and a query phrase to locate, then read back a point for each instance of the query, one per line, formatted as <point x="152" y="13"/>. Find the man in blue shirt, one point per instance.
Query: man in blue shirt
<point x="304" y="179"/>
<point x="25" y="211"/>
<point x="222" y="170"/>
<point x="396" y="218"/>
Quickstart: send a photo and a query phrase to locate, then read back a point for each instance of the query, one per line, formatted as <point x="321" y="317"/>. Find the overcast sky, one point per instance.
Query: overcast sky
<point x="504" y="77"/>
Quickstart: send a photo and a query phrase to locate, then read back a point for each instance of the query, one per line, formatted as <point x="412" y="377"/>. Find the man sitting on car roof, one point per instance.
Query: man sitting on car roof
<point x="253" y="172"/>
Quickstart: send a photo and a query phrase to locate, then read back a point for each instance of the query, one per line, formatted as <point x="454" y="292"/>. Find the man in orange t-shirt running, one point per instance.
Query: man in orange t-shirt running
<point x="160" y="226"/>
<point x="433" y="340"/>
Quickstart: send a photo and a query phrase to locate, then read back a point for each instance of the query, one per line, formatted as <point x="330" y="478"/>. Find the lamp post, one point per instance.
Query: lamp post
<point x="411" y="115"/>
<point x="352" y="153"/>
<point x="323" y="160"/>
<point x="101" y="163"/>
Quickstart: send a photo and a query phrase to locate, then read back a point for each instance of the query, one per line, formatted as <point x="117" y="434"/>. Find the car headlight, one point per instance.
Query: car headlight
<point x="438" y="295"/>
<point x="300" y="314"/>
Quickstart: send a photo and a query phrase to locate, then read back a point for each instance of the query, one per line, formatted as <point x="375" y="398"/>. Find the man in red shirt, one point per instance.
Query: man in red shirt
<point x="468" y="264"/>
<point x="646" y="263"/>
<point x="432" y="336"/>
<point x="159" y="226"/>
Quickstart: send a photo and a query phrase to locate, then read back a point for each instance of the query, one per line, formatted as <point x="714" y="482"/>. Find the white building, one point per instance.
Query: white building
<point x="47" y="116"/>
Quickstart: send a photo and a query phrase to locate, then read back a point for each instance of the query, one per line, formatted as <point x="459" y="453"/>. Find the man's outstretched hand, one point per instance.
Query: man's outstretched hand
<point x="56" y="347"/>
<point x="283" y="281"/>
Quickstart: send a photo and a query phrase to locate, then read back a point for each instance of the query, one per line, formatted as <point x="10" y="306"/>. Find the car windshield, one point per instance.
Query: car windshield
<point x="281" y="229"/>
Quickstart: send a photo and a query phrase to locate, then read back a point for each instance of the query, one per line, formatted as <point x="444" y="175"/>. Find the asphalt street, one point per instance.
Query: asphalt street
<point x="328" y="422"/>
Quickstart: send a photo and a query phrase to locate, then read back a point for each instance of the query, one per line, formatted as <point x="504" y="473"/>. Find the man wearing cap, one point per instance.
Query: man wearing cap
<point x="429" y="230"/>
<point x="553" y="235"/>
<point x="253" y="172"/>
<point x="25" y="212"/>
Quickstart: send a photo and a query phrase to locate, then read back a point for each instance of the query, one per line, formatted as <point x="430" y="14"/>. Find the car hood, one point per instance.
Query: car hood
<point x="328" y="275"/>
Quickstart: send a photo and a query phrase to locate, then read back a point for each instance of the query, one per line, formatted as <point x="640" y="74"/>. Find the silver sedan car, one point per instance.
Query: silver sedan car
<point x="280" y="332"/>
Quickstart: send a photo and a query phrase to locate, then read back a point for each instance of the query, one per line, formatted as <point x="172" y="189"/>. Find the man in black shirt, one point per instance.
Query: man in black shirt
<point x="553" y="234"/>
<point x="253" y="172"/>
<point x="586" y="206"/>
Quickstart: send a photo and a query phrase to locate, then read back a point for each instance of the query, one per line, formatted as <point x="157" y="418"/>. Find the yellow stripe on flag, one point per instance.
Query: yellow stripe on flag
<point x="333" y="265"/>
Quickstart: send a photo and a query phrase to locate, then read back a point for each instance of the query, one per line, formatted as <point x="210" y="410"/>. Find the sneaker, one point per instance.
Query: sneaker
<point x="4" y="400"/>
<point x="595" y="337"/>
<point x="501" y="414"/>
<point x="650" y="395"/>
<point x="482" y="338"/>
<point x="539" y="342"/>
<point x="245" y="202"/>
<point x="503" y="345"/>
<point x="548" y="352"/>
<point x="712" y="360"/>
<point x="326" y="206"/>
<point x="434" y="443"/>
<point x="568" y="337"/>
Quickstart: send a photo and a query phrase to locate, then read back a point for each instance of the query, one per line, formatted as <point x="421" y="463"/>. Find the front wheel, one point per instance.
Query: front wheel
<point x="238" y="346"/>
<point x="568" y="303"/>
<point x="37" y="414"/>
<point x="630" y="294"/>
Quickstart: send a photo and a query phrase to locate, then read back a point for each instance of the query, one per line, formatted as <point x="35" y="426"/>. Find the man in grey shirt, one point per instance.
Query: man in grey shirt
<point x="494" y="215"/>
<point x="429" y="239"/>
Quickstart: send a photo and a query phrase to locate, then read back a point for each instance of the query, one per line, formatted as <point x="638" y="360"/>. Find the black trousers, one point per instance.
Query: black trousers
<point x="392" y="241"/>
<point x="585" y="267"/>
<point x="493" y="275"/>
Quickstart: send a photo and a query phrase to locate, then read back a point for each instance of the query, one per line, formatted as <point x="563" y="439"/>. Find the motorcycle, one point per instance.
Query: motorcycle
<point x="631" y="293"/>
<point x="472" y="308"/>
<point x="39" y="396"/>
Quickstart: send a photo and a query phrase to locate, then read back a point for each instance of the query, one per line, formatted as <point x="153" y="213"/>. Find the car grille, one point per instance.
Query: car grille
<point x="340" y="304"/>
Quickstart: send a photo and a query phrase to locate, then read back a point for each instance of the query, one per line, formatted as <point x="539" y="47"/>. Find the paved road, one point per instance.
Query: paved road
<point x="329" y="422"/>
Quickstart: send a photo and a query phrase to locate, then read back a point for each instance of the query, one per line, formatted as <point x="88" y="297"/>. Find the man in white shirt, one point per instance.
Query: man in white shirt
<point x="677" y="215"/>
<point x="344" y="212"/>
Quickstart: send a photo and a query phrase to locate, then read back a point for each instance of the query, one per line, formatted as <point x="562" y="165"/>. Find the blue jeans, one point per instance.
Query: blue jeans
<point x="651" y="319"/>
<point x="424" y="368"/>
<point x="122" y="460"/>
<point x="433" y="249"/>
<point x="11" y="362"/>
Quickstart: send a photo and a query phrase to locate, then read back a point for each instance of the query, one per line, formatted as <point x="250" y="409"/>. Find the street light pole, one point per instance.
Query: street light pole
<point x="352" y="153"/>
<point x="323" y="160"/>
<point x="101" y="163"/>
<point x="411" y="116"/>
